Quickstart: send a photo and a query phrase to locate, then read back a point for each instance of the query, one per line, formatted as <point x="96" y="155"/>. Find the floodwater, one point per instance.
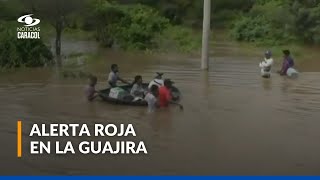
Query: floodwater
<point x="233" y="123"/>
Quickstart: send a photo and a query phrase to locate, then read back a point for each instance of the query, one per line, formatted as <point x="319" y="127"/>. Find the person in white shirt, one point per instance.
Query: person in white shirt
<point x="114" y="77"/>
<point x="158" y="81"/>
<point x="151" y="98"/>
<point x="137" y="90"/>
<point x="266" y="65"/>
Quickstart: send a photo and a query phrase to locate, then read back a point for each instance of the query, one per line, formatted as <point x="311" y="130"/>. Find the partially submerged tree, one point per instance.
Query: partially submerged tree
<point x="55" y="12"/>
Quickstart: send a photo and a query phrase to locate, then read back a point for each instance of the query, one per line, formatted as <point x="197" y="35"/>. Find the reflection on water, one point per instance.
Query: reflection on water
<point x="267" y="84"/>
<point x="234" y="121"/>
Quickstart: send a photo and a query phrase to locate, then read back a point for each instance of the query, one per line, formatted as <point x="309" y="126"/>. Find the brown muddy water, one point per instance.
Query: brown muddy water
<point x="234" y="122"/>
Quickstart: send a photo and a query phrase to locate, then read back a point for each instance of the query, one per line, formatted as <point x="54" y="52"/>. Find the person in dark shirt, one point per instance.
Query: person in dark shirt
<point x="90" y="91"/>
<point x="288" y="62"/>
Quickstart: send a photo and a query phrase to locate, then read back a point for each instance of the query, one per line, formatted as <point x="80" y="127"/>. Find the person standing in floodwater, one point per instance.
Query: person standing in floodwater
<point x="90" y="91"/>
<point x="165" y="94"/>
<point x="151" y="98"/>
<point x="266" y="65"/>
<point x="156" y="81"/>
<point x="114" y="77"/>
<point x="288" y="62"/>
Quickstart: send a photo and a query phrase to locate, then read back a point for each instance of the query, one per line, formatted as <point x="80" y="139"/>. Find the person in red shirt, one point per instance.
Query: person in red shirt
<point x="165" y="93"/>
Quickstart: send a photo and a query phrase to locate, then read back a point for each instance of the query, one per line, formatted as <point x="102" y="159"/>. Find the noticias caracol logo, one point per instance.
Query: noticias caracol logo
<point x="28" y="20"/>
<point x="29" y="30"/>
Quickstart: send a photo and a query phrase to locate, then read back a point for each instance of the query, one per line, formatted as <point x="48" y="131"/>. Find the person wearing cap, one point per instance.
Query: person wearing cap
<point x="288" y="62"/>
<point x="165" y="93"/>
<point x="157" y="81"/>
<point x="266" y="65"/>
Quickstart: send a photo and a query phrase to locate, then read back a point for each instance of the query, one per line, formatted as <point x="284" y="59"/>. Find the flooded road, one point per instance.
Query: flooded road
<point x="234" y="122"/>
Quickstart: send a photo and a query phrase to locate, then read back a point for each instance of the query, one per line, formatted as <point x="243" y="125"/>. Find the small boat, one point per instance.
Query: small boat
<point x="104" y="94"/>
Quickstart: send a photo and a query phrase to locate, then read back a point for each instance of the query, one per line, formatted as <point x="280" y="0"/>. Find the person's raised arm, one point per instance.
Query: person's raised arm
<point x="93" y="97"/>
<point x="123" y="81"/>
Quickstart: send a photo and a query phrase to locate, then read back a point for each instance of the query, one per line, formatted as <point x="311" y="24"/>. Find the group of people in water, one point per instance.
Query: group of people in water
<point x="157" y="94"/>
<point x="287" y="68"/>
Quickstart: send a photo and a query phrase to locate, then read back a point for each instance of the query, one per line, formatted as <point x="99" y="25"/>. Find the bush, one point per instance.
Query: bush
<point x="260" y="30"/>
<point x="106" y="16"/>
<point x="139" y="27"/>
<point x="266" y="23"/>
<point x="130" y="27"/>
<point x="22" y="53"/>
<point x="306" y="23"/>
<point x="180" y="39"/>
<point x="232" y="5"/>
<point x="279" y="22"/>
<point x="251" y="29"/>
<point x="10" y="10"/>
<point x="223" y="18"/>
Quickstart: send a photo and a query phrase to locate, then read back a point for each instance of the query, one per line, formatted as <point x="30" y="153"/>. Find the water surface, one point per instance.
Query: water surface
<point x="234" y="122"/>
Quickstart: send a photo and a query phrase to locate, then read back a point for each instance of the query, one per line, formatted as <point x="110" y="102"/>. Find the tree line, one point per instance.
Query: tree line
<point x="149" y="24"/>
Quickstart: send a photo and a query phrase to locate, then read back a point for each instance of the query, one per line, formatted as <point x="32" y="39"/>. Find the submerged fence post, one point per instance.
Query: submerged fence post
<point x="206" y="34"/>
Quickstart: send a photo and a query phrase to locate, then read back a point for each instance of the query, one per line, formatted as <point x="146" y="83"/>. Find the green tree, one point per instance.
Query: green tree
<point x="10" y="10"/>
<point x="56" y="12"/>
<point x="128" y="26"/>
<point x="22" y="53"/>
<point x="279" y="22"/>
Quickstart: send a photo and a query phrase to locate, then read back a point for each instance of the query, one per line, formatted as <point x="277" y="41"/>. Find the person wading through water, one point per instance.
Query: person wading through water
<point x="266" y="65"/>
<point x="287" y="63"/>
<point x="165" y="97"/>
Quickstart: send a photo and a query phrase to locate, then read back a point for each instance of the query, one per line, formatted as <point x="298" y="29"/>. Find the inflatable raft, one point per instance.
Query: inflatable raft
<point x="104" y="94"/>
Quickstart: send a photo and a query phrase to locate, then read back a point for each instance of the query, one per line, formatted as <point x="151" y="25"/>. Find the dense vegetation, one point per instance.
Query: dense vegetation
<point x="137" y="26"/>
<point x="280" y="22"/>
<point x="162" y="25"/>
<point x="22" y="53"/>
<point x="130" y="27"/>
<point x="269" y="22"/>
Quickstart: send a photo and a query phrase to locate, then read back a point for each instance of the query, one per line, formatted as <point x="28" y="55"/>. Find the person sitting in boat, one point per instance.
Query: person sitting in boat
<point x="90" y="91"/>
<point x="114" y="76"/>
<point x="266" y="65"/>
<point x="137" y="90"/>
<point x="158" y="81"/>
<point x="151" y="98"/>
<point x="288" y="63"/>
